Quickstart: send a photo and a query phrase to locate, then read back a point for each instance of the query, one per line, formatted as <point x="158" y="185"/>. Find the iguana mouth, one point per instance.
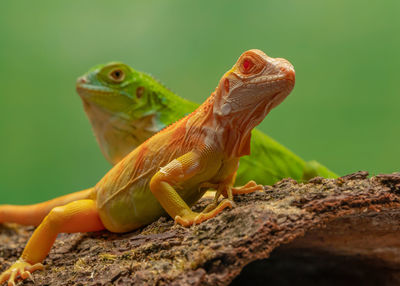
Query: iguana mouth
<point x="268" y="80"/>
<point x="86" y="90"/>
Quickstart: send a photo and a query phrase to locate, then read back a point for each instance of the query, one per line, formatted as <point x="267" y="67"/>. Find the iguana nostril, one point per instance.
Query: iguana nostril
<point x="290" y="74"/>
<point x="82" y="79"/>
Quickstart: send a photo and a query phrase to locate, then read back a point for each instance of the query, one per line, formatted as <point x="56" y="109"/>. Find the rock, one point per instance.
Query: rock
<point x="325" y="232"/>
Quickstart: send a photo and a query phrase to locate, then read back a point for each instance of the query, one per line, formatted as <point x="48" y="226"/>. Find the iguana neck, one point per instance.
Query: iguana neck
<point x="165" y="104"/>
<point x="232" y="132"/>
<point x="117" y="135"/>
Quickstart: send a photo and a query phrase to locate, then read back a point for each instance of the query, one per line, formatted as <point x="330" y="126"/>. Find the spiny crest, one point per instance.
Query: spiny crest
<point x="157" y="81"/>
<point x="208" y="104"/>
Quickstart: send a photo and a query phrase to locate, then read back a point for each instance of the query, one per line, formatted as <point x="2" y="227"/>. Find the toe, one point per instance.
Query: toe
<point x="26" y="274"/>
<point x="37" y="266"/>
<point x="13" y="276"/>
<point x="4" y="277"/>
<point x="182" y="221"/>
<point x="209" y="208"/>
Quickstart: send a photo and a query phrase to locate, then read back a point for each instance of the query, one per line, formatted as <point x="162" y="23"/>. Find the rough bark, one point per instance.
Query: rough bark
<point x="324" y="232"/>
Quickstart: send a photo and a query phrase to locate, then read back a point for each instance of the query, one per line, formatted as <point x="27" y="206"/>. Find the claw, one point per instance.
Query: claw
<point x="19" y="268"/>
<point x="31" y="277"/>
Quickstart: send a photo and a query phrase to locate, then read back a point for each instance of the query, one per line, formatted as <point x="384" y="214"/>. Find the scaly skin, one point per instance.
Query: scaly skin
<point x="125" y="107"/>
<point x="171" y="170"/>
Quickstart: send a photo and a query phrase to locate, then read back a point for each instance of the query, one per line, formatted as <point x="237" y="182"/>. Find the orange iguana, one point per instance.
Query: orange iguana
<point x="171" y="170"/>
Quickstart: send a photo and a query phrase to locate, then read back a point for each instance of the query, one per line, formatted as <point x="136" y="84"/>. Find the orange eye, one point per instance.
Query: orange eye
<point x="117" y="75"/>
<point x="246" y="66"/>
<point x="251" y="65"/>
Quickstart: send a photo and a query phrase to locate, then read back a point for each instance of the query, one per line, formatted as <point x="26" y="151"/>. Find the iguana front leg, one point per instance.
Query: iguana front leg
<point x="177" y="172"/>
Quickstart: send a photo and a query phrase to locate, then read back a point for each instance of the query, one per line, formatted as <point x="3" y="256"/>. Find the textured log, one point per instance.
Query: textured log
<point x="329" y="232"/>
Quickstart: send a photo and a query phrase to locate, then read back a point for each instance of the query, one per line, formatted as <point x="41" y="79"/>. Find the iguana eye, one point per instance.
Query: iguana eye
<point x="251" y="65"/>
<point x="246" y="65"/>
<point x="117" y="75"/>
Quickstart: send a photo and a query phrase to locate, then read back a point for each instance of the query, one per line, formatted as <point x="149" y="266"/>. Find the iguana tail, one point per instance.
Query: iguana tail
<point x="34" y="214"/>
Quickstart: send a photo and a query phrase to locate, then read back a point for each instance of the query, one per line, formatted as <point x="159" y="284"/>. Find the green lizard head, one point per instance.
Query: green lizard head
<point x="124" y="107"/>
<point x="119" y="89"/>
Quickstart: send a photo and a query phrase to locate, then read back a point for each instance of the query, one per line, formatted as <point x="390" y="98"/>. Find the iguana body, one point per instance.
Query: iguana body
<point x="125" y="107"/>
<point x="171" y="170"/>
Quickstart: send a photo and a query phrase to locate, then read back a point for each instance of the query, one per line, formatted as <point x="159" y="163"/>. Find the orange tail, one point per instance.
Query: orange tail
<point x="34" y="214"/>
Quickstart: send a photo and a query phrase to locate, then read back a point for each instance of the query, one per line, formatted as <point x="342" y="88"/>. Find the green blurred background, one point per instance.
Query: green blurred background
<point x="343" y="112"/>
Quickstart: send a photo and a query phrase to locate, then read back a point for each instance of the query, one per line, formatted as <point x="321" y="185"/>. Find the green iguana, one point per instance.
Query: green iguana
<point x="125" y="107"/>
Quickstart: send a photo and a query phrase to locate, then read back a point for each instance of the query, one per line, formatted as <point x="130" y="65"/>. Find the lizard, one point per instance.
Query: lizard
<point x="171" y="170"/>
<point x="126" y="106"/>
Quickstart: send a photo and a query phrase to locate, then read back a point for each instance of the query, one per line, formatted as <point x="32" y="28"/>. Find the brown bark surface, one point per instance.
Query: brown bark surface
<point x="324" y="232"/>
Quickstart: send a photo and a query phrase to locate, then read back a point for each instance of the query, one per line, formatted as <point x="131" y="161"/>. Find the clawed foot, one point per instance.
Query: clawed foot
<point x="214" y="208"/>
<point x="196" y="218"/>
<point x="250" y="187"/>
<point x="19" y="269"/>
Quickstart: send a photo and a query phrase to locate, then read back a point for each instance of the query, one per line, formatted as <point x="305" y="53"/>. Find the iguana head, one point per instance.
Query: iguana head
<point x="245" y="94"/>
<point x="122" y="105"/>
<point x="255" y="85"/>
<point x="116" y="88"/>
